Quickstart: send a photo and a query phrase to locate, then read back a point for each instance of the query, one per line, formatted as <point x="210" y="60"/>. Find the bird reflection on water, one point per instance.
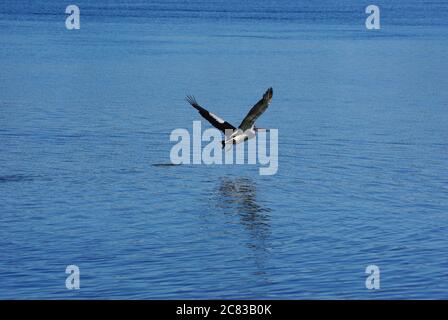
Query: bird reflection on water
<point x="239" y="196"/>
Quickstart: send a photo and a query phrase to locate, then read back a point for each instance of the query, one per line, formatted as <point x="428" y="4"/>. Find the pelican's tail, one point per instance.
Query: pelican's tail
<point x="228" y="142"/>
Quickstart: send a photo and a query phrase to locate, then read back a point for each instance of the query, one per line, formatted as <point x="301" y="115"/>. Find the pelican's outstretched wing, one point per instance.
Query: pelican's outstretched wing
<point x="256" y="111"/>
<point x="214" y="120"/>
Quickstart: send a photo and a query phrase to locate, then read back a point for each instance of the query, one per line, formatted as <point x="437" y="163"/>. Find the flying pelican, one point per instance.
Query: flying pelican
<point x="246" y="130"/>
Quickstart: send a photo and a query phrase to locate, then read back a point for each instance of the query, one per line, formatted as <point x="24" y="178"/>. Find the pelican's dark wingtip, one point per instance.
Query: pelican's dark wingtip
<point x="191" y="100"/>
<point x="268" y="94"/>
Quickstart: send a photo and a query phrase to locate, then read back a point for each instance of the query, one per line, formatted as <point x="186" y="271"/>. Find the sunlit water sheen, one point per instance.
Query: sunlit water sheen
<point x="85" y="118"/>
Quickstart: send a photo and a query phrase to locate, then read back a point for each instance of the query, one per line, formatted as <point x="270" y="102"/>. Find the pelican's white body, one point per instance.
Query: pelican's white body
<point x="239" y="136"/>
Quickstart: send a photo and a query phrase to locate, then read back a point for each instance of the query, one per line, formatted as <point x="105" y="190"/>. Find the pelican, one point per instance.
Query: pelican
<point x="246" y="130"/>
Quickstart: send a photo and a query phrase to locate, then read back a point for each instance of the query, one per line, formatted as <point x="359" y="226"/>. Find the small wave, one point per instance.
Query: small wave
<point x="16" y="178"/>
<point x="165" y="164"/>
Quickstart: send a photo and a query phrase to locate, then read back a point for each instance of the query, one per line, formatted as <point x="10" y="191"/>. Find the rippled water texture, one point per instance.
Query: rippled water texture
<point x="85" y="119"/>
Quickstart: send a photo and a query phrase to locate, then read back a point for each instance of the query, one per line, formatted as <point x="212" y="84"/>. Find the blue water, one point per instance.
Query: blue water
<point x="85" y="119"/>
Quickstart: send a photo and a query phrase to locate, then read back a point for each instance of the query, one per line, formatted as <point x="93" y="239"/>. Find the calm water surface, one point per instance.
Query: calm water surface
<point x="85" y="119"/>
